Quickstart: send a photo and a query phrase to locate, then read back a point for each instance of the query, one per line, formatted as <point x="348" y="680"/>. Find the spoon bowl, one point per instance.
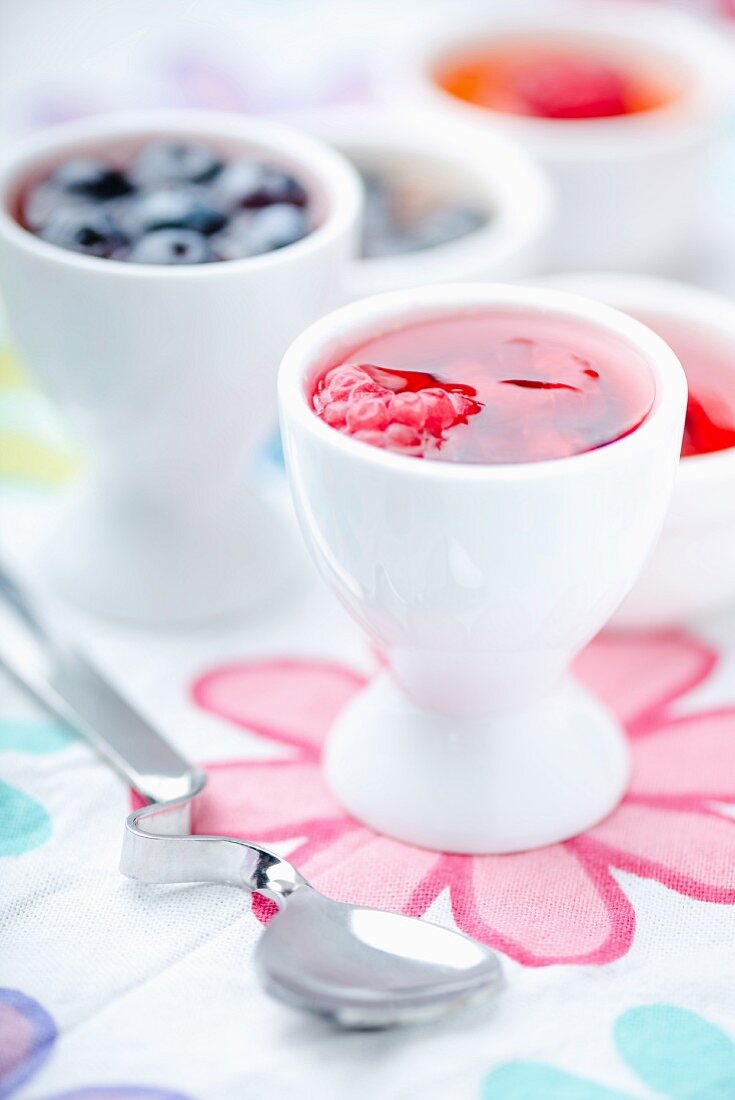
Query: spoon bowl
<point x="365" y="968"/>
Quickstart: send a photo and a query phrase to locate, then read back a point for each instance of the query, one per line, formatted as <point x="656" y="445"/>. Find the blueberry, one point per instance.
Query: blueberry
<point x="277" y="226"/>
<point x="233" y="243"/>
<point x="378" y="223"/>
<point x="253" y="234"/>
<point x="384" y="233"/>
<point x="171" y="246"/>
<point x="91" y="179"/>
<point x="41" y="202"/>
<point x="446" y="223"/>
<point x="389" y="241"/>
<point x="175" y="162"/>
<point x="378" y="200"/>
<point x="169" y="208"/>
<point x="86" y="229"/>
<point x="248" y="185"/>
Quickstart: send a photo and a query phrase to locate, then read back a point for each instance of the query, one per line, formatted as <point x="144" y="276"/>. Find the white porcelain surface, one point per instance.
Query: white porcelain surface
<point x="479" y="583"/>
<point x="626" y="188"/>
<point x="692" y="569"/>
<point x="454" y="160"/>
<point x="168" y="375"/>
<point x="460" y="784"/>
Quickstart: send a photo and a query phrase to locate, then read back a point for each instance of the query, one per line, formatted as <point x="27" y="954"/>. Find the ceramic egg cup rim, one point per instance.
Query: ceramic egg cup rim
<point x="697" y="304"/>
<point x="337" y="180"/>
<point x="451" y="300"/>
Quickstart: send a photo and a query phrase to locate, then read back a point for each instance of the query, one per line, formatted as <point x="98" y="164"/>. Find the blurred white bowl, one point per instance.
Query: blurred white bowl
<point x="627" y="186"/>
<point x="452" y="162"/>
<point x="168" y="374"/>
<point x="692" y="570"/>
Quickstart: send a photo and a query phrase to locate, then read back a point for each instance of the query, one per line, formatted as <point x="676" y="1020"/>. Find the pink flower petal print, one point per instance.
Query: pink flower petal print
<point x="689" y="757"/>
<point x="545" y="906"/>
<point x="689" y="852"/>
<point x="638" y="676"/>
<point x="293" y="702"/>
<point x="560" y="904"/>
<point x="368" y="869"/>
<point x="271" y="801"/>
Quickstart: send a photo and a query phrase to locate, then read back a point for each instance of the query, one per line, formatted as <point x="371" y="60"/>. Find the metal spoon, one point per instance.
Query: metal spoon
<point x="359" y="967"/>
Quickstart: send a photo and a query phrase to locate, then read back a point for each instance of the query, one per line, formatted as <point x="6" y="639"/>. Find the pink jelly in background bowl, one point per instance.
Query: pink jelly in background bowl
<point x="692" y="571"/>
<point x="490" y="387"/>
<point x="710" y="369"/>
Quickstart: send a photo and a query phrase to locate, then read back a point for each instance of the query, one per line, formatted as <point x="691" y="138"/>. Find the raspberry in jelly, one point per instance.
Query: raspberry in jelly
<point x="487" y="388"/>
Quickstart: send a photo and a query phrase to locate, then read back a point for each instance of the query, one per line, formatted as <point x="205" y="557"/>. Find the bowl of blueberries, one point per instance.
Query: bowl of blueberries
<point x="441" y="204"/>
<point x="155" y="266"/>
<point x="169" y="202"/>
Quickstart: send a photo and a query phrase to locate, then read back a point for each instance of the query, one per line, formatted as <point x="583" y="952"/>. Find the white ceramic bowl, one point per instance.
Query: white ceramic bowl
<point x="168" y="374"/>
<point x="692" y="570"/>
<point x="460" y="164"/>
<point x="479" y="582"/>
<point x="626" y="187"/>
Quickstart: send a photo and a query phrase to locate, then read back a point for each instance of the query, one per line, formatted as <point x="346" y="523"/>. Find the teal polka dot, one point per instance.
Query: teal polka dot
<point x="534" y="1081"/>
<point x="34" y="738"/>
<point x="24" y="824"/>
<point x="677" y="1053"/>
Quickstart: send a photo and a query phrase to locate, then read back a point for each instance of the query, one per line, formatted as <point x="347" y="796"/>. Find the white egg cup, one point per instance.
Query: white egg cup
<point x="691" y="571"/>
<point x="167" y="374"/>
<point x="626" y="187"/>
<point x="479" y="583"/>
<point x="460" y="164"/>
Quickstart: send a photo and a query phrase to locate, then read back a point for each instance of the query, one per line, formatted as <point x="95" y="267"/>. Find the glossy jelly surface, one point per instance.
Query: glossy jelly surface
<point x="487" y="387"/>
<point x="709" y="365"/>
<point x="555" y="81"/>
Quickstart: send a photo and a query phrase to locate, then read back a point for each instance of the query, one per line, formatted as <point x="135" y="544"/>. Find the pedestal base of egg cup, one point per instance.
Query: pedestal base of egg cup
<point x="488" y="783"/>
<point x="123" y="559"/>
<point x="479" y="583"/>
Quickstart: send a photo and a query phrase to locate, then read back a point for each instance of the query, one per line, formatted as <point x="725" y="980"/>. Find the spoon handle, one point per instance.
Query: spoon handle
<point x="47" y="664"/>
<point x="156" y="848"/>
<point x="157" y="845"/>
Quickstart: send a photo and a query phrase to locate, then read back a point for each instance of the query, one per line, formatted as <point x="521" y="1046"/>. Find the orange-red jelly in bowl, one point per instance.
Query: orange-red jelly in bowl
<point x="555" y="80"/>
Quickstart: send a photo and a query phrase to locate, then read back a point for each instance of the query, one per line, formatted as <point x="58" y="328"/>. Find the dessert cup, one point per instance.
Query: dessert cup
<point x="691" y="571"/>
<point x="479" y="583"/>
<point x="482" y="169"/>
<point x="168" y="375"/>
<point x="626" y="187"/>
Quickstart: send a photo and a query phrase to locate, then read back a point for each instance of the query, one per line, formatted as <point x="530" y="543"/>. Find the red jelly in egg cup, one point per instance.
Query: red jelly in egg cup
<point x="479" y="576"/>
